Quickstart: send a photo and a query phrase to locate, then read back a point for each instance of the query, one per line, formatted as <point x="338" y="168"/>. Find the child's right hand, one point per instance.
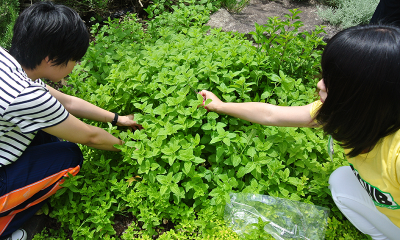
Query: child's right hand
<point x="214" y="104"/>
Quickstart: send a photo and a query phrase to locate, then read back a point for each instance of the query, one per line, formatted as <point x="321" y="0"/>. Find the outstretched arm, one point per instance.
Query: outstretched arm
<point x="83" y="109"/>
<point x="262" y="113"/>
<point x="74" y="130"/>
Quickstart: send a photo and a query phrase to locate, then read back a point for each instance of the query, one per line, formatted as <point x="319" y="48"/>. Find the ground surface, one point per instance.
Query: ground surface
<point x="257" y="12"/>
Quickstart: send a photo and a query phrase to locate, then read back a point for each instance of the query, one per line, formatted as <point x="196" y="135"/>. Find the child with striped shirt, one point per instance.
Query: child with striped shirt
<point x="48" y="40"/>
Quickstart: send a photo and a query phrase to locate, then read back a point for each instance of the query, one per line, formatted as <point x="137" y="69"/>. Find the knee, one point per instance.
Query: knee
<point x="338" y="176"/>
<point x="74" y="153"/>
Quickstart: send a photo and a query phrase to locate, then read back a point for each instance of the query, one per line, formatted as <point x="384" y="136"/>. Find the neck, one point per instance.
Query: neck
<point x="35" y="73"/>
<point x="31" y="73"/>
<point x="367" y="150"/>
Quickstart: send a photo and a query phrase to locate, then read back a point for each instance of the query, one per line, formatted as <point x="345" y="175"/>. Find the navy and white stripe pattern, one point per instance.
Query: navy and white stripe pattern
<point x="26" y="106"/>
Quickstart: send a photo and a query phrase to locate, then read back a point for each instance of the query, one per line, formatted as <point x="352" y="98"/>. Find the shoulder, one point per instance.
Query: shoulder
<point x="315" y="106"/>
<point x="9" y="65"/>
<point x="12" y="76"/>
<point x="390" y="149"/>
<point x="14" y="82"/>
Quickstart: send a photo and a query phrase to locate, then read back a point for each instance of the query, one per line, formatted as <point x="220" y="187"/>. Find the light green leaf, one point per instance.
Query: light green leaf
<point x="186" y="154"/>
<point x="235" y="160"/>
<point x="163" y="189"/>
<point x="207" y="102"/>
<point x="251" y="152"/>
<point x="227" y="141"/>
<point x="214" y="78"/>
<point x="265" y="95"/>
<point x="177" y="177"/>
<point x="162" y="179"/>
<point x="284" y="192"/>
<point x="212" y="115"/>
<point x="206" y="126"/>
<point x="161" y="110"/>
<point x="198" y="160"/>
<point x="249" y="167"/>
<point x="241" y="172"/>
<point x="215" y="139"/>
<point x="220" y="152"/>
<point x="187" y="166"/>
<point x="175" y="189"/>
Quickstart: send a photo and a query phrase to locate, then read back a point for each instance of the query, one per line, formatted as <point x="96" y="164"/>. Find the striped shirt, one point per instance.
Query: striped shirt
<point x="26" y="106"/>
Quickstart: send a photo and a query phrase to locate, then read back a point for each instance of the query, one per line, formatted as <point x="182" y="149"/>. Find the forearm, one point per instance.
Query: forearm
<point x="261" y="113"/>
<point x="101" y="139"/>
<point x="83" y="109"/>
<point x="74" y="130"/>
<point x="254" y="112"/>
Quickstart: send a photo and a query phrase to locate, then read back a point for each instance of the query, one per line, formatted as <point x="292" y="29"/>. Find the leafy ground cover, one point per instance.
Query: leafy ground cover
<point x="174" y="177"/>
<point x="347" y="13"/>
<point x="8" y="15"/>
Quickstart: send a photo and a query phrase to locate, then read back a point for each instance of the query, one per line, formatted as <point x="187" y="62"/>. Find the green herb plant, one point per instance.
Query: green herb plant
<point x="159" y="7"/>
<point x="257" y="231"/>
<point x="9" y="10"/>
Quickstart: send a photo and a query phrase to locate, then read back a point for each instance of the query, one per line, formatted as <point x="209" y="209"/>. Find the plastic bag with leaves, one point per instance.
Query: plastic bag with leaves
<point x="284" y="219"/>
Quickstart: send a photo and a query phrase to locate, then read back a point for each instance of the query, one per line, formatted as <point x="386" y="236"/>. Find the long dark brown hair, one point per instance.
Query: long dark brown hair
<point x="361" y="72"/>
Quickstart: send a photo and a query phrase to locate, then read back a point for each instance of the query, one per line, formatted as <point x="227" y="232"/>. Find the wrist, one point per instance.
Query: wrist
<point x="115" y="119"/>
<point x="220" y="108"/>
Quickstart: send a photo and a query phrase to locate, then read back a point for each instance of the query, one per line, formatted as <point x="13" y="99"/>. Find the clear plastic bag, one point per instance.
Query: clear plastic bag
<point x="286" y="219"/>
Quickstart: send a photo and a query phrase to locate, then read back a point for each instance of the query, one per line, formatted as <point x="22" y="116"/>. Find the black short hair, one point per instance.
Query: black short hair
<point x="361" y="72"/>
<point x="46" y="29"/>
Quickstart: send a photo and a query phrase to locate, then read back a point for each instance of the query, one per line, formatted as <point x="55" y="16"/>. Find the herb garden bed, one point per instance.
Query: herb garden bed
<point x="172" y="179"/>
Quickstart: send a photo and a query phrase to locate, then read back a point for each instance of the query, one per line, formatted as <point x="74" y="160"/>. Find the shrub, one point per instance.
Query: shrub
<point x="164" y="7"/>
<point x="348" y="13"/>
<point x="332" y="3"/>
<point x="9" y="10"/>
<point x="235" y="6"/>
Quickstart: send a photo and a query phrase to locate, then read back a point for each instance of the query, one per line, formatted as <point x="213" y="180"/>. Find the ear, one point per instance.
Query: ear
<point x="46" y="59"/>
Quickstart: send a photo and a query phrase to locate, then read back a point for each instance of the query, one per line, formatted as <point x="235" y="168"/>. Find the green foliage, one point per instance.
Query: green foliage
<point x="343" y="230"/>
<point x="347" y="13"/>
<point x="235" y="6"/>
<point x="332" y="3"/>
<point x="9" y="10"/>
<point x="220" y="232"/>
<point x="257" y="231"/>
<point x="50" y="234"/>
<point x="181" y="168"/>
<point x="181" y="18"/>
<point x="159" y="7"/>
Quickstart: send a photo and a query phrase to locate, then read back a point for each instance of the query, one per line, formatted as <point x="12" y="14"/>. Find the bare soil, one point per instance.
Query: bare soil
<point x="258" y="11"/>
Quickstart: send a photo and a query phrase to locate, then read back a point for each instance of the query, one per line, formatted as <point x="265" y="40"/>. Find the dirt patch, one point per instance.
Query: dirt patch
<point x="258" y="11"/>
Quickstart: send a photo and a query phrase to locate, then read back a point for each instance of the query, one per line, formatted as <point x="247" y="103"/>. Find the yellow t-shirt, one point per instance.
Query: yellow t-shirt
<point x="379" y="172"/>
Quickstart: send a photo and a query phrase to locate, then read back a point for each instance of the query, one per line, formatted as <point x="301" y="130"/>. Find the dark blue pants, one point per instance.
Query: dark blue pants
<point x="42" y="166"/>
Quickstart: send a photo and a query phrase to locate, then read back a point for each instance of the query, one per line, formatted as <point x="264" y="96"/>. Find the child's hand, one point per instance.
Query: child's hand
<point x="214" y="104"/>
<point x="127" y="121"/>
